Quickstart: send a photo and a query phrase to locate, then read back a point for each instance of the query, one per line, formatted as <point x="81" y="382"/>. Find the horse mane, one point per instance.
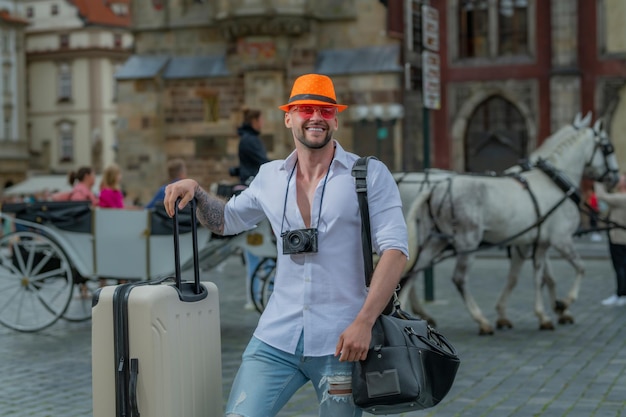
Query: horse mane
<point x="549" y="145"/>
<point x="566" y="143"/>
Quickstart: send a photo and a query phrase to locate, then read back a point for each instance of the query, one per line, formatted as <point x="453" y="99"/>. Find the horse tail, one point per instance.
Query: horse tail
<point x="413" y="219"/>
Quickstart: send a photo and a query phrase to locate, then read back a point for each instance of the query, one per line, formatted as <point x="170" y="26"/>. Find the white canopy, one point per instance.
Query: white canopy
<point x="41" y="183"/>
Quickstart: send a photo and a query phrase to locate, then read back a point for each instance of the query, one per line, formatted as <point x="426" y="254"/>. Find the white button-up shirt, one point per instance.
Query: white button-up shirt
<point x="318" y="294"/>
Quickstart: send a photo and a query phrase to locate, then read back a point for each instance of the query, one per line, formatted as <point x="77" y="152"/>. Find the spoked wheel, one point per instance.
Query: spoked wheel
<point x="35" y="281"/>
<point x="79" y="308"/>
<point x="268" y="285"/>
<point x="262" y="276"/>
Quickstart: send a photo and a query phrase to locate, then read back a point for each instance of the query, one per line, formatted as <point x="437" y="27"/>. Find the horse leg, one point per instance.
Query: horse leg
<point x="562" y="307"/>
<point x="429" y="250"/>
<point x="549" y="282"/>
<point x="517" y="260"/>
<point x="545" y="323"/>
<point x="410" y="300"/>
<point x="459" y="279"/>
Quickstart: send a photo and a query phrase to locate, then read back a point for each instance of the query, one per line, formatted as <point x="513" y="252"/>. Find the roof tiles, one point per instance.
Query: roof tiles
<point x="100" y="12"/>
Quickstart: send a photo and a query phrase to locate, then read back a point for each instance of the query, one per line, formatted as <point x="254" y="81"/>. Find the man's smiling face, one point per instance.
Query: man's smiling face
<point x="312" y="126"/>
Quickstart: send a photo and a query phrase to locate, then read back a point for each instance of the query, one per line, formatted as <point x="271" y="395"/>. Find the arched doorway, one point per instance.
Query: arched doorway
<point x="496" y="136"/>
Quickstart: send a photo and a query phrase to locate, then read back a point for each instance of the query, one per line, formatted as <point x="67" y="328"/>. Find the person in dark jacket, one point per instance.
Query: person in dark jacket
<point x="252" y="152"/>
<point x="252" y="155"/>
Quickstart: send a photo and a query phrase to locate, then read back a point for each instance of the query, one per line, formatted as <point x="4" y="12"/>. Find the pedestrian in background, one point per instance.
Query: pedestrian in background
<point x="82" y="182"/>
<point x="252" y="155"/>
<point x="616" y="203"/>
<point x="176" y="170"/>
<point x="111" y="195"/>
<point x="319" y="319"/>
<point x="252" y="152"/>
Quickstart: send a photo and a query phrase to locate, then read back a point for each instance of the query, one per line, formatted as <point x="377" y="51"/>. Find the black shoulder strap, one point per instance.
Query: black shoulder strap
<point x="359" y="172"/>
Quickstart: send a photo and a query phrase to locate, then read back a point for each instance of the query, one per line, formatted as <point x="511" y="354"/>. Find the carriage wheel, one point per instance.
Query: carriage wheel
<point x="268" y="286"/>
<point x="263" y="273"/>
<point x="79" y="308"/>
<point x="35" y="281"/>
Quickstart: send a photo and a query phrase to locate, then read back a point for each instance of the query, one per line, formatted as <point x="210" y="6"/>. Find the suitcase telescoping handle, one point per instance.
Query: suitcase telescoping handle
<point x="198" y="291"/>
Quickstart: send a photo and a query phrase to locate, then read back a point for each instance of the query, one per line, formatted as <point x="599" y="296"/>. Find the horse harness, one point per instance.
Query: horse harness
<point x="570" y="191"/>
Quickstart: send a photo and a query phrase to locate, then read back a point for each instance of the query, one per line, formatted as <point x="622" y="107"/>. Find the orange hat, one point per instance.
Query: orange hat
<point x="314" y="89"/>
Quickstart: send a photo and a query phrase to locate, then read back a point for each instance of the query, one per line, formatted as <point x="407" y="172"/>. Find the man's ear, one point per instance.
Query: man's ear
<point x="288" y="119"/>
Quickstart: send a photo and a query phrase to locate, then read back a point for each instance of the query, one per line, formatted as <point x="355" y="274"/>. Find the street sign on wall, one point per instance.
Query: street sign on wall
<point x="430" y="28"/>
<point x="431" y="75"/>
<point x="431" y="80"/>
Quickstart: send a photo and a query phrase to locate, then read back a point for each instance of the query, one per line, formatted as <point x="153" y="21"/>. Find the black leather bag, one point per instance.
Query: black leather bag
<point x="410" y="366"/>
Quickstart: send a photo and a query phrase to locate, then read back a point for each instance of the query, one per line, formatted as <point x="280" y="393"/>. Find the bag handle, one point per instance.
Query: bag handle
<point x="359" y="172"/>
<point x="197" y="288"/>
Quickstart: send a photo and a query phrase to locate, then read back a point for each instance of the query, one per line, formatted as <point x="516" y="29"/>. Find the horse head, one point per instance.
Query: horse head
<point x="602" y="166"/>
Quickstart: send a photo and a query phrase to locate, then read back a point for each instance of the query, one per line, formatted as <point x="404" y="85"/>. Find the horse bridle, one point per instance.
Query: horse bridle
<point x="607" y="149"/>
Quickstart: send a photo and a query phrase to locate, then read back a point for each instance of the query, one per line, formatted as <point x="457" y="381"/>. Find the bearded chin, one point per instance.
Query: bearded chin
<point x="315" y="145"/>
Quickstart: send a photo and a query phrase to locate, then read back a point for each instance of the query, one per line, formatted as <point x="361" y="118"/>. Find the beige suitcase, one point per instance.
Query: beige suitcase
<point x="156" y="348"/>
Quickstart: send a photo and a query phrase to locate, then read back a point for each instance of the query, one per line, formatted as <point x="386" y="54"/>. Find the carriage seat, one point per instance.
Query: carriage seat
<point x="162" y="224"/>
<point x="72" y="216"/>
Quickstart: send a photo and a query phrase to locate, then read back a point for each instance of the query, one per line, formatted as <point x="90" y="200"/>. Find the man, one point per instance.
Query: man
<point x="319" y="319"/>
<point x="176" y="170"/>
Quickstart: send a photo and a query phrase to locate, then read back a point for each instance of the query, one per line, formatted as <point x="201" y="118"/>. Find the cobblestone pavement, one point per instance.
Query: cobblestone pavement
<point x="576" y="370"/>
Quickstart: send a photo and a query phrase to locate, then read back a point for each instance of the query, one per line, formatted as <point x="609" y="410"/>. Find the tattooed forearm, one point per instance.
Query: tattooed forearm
<point x="210" y="211"/>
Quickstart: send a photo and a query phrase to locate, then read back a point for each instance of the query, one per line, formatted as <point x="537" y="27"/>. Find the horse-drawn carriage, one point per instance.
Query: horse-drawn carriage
<point x="49" y="263"/>
<point x="58" y="253"/>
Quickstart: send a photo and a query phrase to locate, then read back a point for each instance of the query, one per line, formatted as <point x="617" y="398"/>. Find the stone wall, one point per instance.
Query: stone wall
<point x="266" y="45"/>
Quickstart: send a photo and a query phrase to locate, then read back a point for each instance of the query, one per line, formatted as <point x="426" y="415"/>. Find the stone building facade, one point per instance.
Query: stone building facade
<point x="73" y="49"/>
<point x="511" y="72"/>
<point x="198" y="63"/>
<point x="13" y="140"/>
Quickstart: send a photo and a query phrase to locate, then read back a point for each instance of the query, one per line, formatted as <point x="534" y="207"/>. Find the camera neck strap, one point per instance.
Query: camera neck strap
<point x="319" y="214"/>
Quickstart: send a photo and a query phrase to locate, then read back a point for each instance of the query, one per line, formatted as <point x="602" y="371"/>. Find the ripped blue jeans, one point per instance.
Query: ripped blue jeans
<point x="268" y="378"/>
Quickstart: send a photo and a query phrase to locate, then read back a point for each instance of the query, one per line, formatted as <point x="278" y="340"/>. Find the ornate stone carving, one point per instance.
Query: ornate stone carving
<point x="236" y="27"/>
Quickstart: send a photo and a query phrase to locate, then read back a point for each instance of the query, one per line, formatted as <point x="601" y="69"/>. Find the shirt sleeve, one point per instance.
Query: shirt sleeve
<point x="388" y="225"/>
<point x="244" y="211"/>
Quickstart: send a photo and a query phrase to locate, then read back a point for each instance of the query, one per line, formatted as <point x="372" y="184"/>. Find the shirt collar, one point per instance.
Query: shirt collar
<point x="341" y="156"/>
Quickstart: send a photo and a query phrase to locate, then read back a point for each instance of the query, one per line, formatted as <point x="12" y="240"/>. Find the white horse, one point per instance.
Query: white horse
<point x="467" y="210"/>
<point x="415" y="189"/>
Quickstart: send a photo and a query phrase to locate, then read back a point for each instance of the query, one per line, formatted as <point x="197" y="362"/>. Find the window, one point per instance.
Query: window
<point x="6" y="42"/>
<point x="65" y="82"/>
<point x="120" y="9"/>
<point x="513" y="27"/>
<point x="117" y="40"/>
<point x="6" y="82"/>
<point x="64" y="40"/>
<point x="487" y="28"/>
<point x="7" y="117"/>
<point x="473" y="28"/>
<point x="211" y="108"/>
<point x="30" y="12"/>
<point x="54" y="9"/>
<point x="7" y="128"/>
<point x="66" y="141"/>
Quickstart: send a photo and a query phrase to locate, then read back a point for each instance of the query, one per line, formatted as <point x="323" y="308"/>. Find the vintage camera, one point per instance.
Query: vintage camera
<point x="299" y="241"/>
